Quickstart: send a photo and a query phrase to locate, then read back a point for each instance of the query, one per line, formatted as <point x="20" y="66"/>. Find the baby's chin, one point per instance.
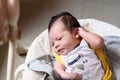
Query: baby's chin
<point x="64" y="53"/>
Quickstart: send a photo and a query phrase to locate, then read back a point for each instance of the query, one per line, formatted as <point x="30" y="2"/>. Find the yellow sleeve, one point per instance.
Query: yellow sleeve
<point x="108" y="73"/>
<point x="57" y="57"/>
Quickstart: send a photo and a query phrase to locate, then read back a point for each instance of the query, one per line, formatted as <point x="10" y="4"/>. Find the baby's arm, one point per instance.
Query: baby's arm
<point x="93" y="39"/>
<point x="60" y="69"/>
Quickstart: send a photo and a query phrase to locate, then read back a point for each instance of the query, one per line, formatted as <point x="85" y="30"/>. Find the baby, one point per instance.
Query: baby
<point x="72" y="44"/>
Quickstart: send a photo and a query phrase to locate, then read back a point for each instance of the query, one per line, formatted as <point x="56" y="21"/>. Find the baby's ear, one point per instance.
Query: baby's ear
<point x="76" y="31"/>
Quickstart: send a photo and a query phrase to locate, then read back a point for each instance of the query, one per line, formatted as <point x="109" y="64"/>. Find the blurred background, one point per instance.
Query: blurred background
<point x="35" y="16"/>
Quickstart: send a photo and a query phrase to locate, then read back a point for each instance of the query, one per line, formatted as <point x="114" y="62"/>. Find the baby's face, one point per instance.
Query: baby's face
<point x="61" y="39"/>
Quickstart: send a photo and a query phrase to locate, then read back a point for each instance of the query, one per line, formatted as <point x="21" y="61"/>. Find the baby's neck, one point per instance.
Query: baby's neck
<point x="78" y="43"/>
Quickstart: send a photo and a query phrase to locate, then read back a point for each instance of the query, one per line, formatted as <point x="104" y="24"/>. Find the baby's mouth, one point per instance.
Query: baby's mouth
<point x="60" y="50"/>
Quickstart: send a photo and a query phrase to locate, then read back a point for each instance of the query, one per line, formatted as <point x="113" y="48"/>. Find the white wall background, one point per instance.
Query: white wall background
<point x="35" y="14"/>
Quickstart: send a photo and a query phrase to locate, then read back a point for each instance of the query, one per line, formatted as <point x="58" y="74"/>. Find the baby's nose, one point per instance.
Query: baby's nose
<point x="56" y="45"/>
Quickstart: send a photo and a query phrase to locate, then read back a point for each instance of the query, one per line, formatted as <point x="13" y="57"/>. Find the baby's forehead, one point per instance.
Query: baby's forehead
<point x="55" y="34"/>
<point x="54" y="37"/>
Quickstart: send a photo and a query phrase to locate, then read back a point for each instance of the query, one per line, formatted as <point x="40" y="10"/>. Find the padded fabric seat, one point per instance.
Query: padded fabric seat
<point x="41" y="46"/>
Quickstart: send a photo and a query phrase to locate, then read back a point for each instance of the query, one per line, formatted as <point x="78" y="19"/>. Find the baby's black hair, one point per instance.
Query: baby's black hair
<point x="68" y="19"/>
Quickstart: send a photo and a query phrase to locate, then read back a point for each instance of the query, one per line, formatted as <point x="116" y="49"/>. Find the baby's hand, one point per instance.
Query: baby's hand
<point x="80" y="31"/>
<point x="77" y="76"/>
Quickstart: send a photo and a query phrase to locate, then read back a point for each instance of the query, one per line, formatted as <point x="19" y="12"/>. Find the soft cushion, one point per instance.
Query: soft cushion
<point x="41" y="46"/>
